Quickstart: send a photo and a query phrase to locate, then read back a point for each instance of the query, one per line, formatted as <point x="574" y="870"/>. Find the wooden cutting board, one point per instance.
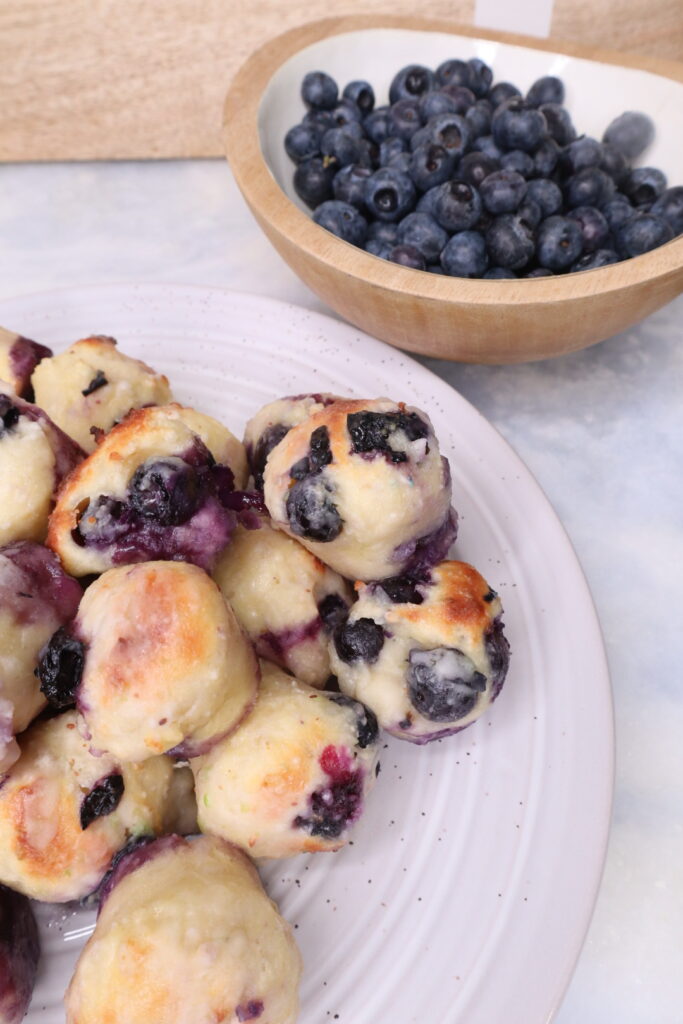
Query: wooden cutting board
<point x="115" y="79"/>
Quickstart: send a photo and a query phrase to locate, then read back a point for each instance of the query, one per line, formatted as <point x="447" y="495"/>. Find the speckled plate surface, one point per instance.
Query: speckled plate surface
<point x="467" y="891"/>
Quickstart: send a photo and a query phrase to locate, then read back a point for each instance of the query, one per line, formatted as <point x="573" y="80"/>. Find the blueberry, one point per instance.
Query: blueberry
<point x="487" y="144"/>
<point x="98" y="381"/>
<point x="458" y="206"/>
<point x="422" y="137"/>
<point x="383" y="231"/>
<point x="251" y="1010"/>
<point x="319" y="91"/>
<point x="588" y="187"/>
<point x="334" y="611"/>
<point x="434" y="268"/>
<point x="502" y="191"/>
<point x="411" y="82"/>
<point x="262" y="449"/>
<point x="443" y="684"/>
<point x="310" y="510"/>
<point x="404" y="119"/>
<point x="546" y="158"/>
<point x="390" y="148"/>
<point x="371" y="432"/>
<point x="9" y="415"/>
<point x="319" y="455"/>
<point x="478" y="118"/>
<point x="342" y="144"/>
<point x="613" y="163"/>
<point x="361" y="640"/>
<point x="510" y="242"/>
<point x="540" y="272"/>
<point x="430" y="165"/>
<point x="559" y="243"/>
<point x="389" y="194"/>
<point x="455" y="72"/>
<point x="644" y="185"/>
<point x="362" y="94"/>
<point x="402" y="590"/>
<point x="60" y="668"/>
<point x="408" y="256"/>
<point x="377" y="125"/>
<point x="333" y="807"/>
<point x="516" y="125"/>
<point x="499" y="274"/>
<point x="498" y="652"/>
<point x="165" y="490"/>
<point x="519" y="161"/>
<point x="560" y="127"/>
<point x="343" y="220"/>
<point x="302" y="142"/>
<point x="401" y="162"/>
<point x="465" y="255"/>
<point x="641" y="233"/>
<point x="530" y="212"/>
<point x="474" y="167"/>
<point x="102" y="799"/>
<point x="631" y="133"/>
<point x="104" y="521"/>
<point x="427" y="202"/>
<point x="594" y="227"/>
<point x="669" y="206"/>
<point x="579" y="154"/>
<point x="501" y="92"/>
<point x="421" y="231"/>
<point x="548" y="89"/>
<point x="452" y="132"/>
<point x="462" y="97"/>
<point x="617" y="210"/>
<point x="547" y="194"/>
<point x="376" y="247"/>
<point x="367" y="727"/>
<point x="319" y="119"/>
<point x="433" y="103"/>
<point x="313" y="181"/>
<point x="594" y="260"/>
<point x="349" y="185"/>
<point x="345" y="114"/>
<point x="481" y="76"/>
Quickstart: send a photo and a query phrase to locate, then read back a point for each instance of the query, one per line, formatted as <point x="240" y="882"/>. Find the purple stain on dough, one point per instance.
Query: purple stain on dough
<point x="276" y="645"/>
<point x="498" y="653"/>
<point x="43" y="589"/>
<point x="250" y="1010"/>
<point x="24" y="356"/>
<point x="19" y="955"/>
<point x="67" y="454"/>
<point x="418" y="555"/>
<point x="137" y="852"/>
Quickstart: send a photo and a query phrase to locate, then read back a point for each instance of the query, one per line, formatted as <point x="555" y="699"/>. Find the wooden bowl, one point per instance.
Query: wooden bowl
<point x="479" y="321"/>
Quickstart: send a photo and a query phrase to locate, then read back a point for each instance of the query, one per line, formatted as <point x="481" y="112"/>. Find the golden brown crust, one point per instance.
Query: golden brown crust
<point x="456" y="599"/>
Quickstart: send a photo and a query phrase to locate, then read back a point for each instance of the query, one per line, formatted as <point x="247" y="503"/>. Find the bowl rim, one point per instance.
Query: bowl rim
<point x="271" y="206"/>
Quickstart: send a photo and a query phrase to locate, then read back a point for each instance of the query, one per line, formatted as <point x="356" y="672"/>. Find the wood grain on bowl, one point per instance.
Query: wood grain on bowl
<point x="85" y="80"/>
<point x="452" y="318"/>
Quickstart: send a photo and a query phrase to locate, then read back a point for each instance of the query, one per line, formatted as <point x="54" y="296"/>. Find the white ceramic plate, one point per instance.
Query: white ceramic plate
<point x="468" y="889"/>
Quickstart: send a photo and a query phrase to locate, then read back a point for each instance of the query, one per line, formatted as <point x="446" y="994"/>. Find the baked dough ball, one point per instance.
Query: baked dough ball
<point x="285" y="598"/>
<point x="428" y="657"/>
<point x="35" y="456"/>
<point x="362" y="485"/>
<point x="36" y="597"/>
<point x="272" y="422"/>
<point x="19" y="955"/>
<point x="187" y="936"/>
<point x="158" y="486"/>
<point x="294" y="777"/>
<point x="18" y="359"/>
<point x="64" y="813"/>
<point x="93" y="384"/>
<point x="164" y="664"/>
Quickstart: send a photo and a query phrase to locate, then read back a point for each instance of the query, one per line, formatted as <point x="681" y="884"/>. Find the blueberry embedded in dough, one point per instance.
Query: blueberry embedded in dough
<point x="36" y="598"/>
<point x="362" y="485"/>
<point x="443" y="654"/>
<point x="272" y="422"/>
<point x="294" y="777"/>
<point x="284" y="597"/>
<point x="61" y="821"/>
<point x="92" y="385"/>
<point x="186" y="933"/>
<point x="35" y="457"/>
<point x="160" y="485"/>
<point x="19" y="955"/>
<point x="166" y="664"/>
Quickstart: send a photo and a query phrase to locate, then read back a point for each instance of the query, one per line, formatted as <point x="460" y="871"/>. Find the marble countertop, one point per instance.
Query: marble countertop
<point x="602" y="430"/>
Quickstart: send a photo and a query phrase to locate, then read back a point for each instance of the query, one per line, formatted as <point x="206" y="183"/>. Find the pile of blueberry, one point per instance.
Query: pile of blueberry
<point x="459" y="176"/>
